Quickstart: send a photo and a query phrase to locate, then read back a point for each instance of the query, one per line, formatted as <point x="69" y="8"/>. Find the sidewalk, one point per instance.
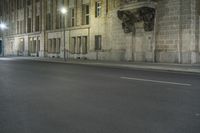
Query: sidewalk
<point x="189" y="68"/>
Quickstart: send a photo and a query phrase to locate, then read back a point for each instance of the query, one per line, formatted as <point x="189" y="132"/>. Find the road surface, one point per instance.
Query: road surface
<point x="42" y="97"/>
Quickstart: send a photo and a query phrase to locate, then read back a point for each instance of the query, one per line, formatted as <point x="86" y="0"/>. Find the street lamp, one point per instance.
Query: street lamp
<point x="3" y="27"/>
<point x="63" y="11"/>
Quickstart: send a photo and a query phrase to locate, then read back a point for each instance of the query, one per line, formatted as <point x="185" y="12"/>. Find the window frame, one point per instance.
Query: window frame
<point x="98" y="8"/>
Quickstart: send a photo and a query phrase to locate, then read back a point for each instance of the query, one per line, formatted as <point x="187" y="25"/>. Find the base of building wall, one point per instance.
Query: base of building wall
<point x="175" y="57"/>
<point x="186" y="58"/>
<point x="194" y="57"/>
<point x="167" y="57"/>
<point x="120" y="55"/>
<point x="41" y="53"/>
<point x="114" y="55"/>
<point x="161" y="57"/>
<point x="198" y="58"/>
<point x="52" y="55"/>
<point x="143" y="56"/>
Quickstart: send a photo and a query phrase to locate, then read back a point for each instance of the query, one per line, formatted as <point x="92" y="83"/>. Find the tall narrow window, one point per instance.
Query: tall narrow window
<point x="22" y="4"/>
<point x="28" y="2"/>
<point x="58" y="23"/>
<point x="37" y="16"/>
<point x="58" y="46"/>
<point x="97" y="8"/>
<point x="73" y="45"/>
<point x="58" y="15"/>
<point x="72" y="17"/>
<point x="21" y="45"/>
<point x="18" y="27"/>
<point x="49" y="46"/>
<point x="34" y="45"/>
<point x="78" y="48"/>
<point x="106" y="6"/>
<point x="84" y="45"/>
<point x="38" y="44"/>
<point x="18" y="4"/>
<point x="37" y="23"/>
<point x="49" y="21"/>
<point x="49" y="14"/>
<point x="29" y="25"/>
<point x="21" y="27"/>
<point x="54" y="45"/>
<point x="98" y="40"/>
<point x="30" y="44"/>
<point x="86" y="14"/>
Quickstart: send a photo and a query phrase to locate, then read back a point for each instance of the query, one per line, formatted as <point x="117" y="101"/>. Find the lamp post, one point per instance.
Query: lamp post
<point x="63" y="10"/>
<point x="3" y="27"/>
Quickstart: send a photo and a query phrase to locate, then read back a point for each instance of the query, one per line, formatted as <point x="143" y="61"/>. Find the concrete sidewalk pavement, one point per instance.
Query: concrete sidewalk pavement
<point x="189" y="68"/>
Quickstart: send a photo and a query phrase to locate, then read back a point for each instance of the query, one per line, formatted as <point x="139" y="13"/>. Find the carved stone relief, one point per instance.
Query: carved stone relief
<point x="147" y="15"/>
<point x="129" y="18"/>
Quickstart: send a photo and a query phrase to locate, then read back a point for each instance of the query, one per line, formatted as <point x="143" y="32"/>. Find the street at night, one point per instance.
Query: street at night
<point x="44" y="97"/>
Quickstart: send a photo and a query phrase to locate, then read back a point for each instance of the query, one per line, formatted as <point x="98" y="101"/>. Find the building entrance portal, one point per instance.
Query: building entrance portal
<point x="138" y="24"/>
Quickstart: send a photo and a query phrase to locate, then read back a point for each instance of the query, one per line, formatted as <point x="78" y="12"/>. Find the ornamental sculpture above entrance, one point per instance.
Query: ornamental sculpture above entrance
<point x="135" y="12"/>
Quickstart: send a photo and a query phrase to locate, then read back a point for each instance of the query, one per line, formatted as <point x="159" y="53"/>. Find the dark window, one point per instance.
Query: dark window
<point x="98" y="40"/>
<point x="86" y="14"/>
<point x="37" y="25"/>
<point x="28" y="2"/>
<point x="73" y="45"/>
<point x="49" y="22"/>
<point x="38" y="45"/>
<point x="29" y="25"/>
<point x="84" y="45"/>
<point x="58" y="45"/>
<point x="78" y="47"/>
<point x="106" y="6"/>
<point x="20" y="4"/>
<point x="72" y="17"/>
<point x="97" y="8"/>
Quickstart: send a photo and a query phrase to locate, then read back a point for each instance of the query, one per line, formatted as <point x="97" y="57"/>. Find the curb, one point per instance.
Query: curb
<point x="131" y="66"/>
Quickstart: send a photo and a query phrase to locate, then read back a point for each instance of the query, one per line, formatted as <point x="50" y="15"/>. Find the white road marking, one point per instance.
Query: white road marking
<point x="5" y="59"/>
<point x="197" y="115"/>
<point x="156" y="81"/>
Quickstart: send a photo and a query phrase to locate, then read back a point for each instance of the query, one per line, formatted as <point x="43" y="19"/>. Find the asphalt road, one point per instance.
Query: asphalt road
<point x="42" y="97"/>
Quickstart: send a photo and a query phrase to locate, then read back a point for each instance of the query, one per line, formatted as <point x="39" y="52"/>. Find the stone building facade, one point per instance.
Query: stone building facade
<point x="121" y="30"/>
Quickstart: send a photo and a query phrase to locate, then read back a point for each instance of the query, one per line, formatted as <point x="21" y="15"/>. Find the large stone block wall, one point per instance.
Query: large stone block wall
<point x="167" y="30"/>
<point x="118" y="45"/>
<point x="175" y="38"/>
<point x="177" y="31"/>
